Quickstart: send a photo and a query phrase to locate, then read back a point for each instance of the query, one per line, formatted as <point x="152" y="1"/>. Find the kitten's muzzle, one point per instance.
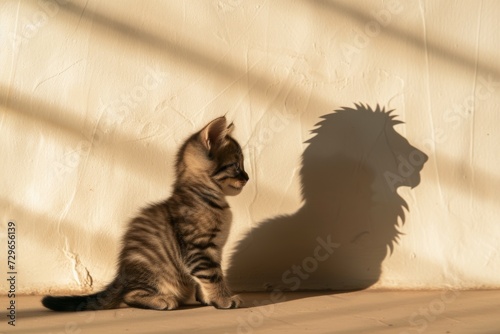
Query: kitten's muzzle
<point x="243" y="175"/>
<point x="241" y="181"/>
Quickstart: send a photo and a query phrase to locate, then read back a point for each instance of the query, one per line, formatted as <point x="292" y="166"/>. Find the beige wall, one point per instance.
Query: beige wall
<point x="95" y="98"/>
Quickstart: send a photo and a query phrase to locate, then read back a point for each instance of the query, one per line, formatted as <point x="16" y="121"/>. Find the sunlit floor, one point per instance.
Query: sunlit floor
<point x="300" y="312"/>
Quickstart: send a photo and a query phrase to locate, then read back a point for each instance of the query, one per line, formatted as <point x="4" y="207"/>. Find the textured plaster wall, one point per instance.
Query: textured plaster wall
<point x="96" y="97"/>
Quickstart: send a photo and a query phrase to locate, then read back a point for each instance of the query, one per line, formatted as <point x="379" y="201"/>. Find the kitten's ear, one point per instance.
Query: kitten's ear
<point x="230" y="128"/>
<point x="213" y="133"/>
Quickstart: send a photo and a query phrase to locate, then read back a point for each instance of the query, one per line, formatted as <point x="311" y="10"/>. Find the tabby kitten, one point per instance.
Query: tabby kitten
<point x="173" y="249"/>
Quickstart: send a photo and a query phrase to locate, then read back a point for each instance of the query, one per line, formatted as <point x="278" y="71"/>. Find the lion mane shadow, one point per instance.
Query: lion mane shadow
<point x="349" y="221"/>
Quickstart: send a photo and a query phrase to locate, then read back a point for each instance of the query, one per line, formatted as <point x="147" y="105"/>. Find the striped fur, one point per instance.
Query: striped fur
<point x="173" y="249"/>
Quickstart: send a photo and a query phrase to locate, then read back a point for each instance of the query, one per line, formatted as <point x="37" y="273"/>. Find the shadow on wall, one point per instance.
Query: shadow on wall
<point x="349" y="222"/>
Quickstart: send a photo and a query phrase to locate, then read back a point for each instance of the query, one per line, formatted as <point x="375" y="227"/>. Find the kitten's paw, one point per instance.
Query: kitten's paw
<point x="227" y="302"/>
<point x="143" y="299"/>
<point x="170" y="304"/>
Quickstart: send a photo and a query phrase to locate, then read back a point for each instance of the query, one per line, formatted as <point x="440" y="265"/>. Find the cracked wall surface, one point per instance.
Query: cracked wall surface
<point x="96" y="97"/>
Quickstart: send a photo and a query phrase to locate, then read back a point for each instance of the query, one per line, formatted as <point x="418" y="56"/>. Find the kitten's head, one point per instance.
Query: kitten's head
<point x="212" y="154"/>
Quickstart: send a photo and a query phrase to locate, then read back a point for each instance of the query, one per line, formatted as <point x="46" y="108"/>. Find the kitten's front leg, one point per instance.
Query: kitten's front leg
<point x="218" y="295"/>
<point x="212" y="288"/>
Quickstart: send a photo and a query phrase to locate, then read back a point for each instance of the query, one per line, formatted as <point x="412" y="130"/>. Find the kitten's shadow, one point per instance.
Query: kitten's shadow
<point x="349" y="223"/>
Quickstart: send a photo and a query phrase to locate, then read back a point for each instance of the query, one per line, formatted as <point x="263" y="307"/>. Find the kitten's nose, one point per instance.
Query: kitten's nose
<point x="245" y="176"/>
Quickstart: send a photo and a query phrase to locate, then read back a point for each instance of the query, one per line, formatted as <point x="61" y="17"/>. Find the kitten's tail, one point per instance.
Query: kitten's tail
<point x="109" y="298"/>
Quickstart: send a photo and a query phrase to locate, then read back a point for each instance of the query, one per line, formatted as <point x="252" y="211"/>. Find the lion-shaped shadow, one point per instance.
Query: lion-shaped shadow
<point x="349" y="222"/>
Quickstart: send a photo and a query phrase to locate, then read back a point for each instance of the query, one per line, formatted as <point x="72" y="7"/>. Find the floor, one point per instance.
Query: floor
<point x="373" y="311"/>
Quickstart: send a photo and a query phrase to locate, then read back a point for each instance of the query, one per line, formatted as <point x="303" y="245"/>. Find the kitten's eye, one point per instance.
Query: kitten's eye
<point x="232" y="165"/>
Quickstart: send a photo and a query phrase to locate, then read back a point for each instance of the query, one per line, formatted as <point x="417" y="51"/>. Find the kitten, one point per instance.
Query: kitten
<point x="174" y="248"/>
